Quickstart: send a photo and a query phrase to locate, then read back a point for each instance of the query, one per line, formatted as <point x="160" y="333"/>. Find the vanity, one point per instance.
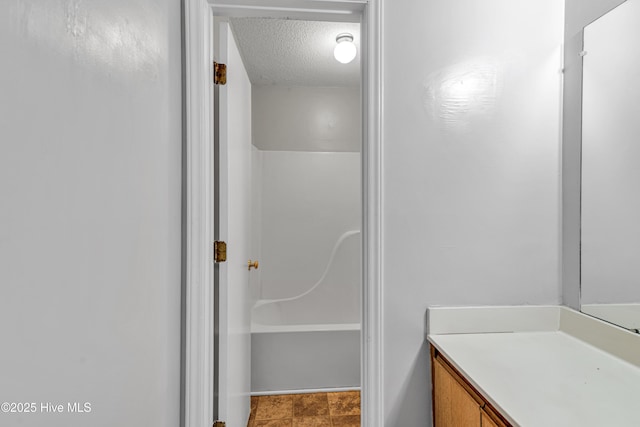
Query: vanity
<point x="531" y="366"/>
<point x="551" y="365"/>
<point x="456" y="401"/>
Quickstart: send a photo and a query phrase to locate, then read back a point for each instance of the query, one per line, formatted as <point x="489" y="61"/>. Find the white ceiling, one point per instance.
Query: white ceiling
<point x="295" y="53"/>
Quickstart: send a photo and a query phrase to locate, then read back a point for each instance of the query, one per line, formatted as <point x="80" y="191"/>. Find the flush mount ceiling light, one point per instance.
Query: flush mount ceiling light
<point x="345" y="50"/>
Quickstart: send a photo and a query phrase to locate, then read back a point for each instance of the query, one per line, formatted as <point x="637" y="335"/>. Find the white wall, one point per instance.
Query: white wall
<point x="91" y="146"/>
<point x="471" y="171"/>
<point x="307" y="118"/>
<point x="308" y="201"/>
<point x="90" y="153"/>
<point x="578" y="13"/>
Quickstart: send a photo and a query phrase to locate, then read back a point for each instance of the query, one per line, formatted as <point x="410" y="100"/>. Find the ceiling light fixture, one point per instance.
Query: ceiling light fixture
<point x="345" y="50"/>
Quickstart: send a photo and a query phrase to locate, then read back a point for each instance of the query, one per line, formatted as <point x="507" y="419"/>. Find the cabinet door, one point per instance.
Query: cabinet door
<point x="454" y="407"/>
<point x="488" y="420"/>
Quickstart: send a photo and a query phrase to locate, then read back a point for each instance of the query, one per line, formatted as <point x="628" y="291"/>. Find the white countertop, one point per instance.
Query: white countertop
<point x="546" y="377"/>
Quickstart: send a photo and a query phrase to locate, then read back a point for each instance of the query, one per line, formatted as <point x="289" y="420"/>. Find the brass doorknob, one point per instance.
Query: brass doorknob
<point x="252" y="264"/>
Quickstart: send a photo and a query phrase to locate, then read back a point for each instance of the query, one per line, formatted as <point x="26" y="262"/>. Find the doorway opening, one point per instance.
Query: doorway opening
<point x="290" y="119"/>
<point x="362" y="237"/>
<point x="306" y="204"/>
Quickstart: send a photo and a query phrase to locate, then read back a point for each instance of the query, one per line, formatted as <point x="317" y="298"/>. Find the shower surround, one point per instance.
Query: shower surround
<point x="306" y="319"/>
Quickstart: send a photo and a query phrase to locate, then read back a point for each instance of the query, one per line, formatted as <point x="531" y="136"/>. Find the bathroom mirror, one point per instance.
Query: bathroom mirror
<point x="610" y="206"/>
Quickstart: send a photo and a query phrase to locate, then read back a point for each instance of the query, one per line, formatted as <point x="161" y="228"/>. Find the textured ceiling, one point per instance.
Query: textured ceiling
<point x="295" y="53"/>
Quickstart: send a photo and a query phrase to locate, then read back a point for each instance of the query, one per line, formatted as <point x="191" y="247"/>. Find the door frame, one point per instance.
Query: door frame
<point x="198" y="326"/>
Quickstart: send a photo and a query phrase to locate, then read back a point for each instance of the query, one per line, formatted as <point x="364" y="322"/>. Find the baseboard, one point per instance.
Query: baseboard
<point x="304" y="391"/>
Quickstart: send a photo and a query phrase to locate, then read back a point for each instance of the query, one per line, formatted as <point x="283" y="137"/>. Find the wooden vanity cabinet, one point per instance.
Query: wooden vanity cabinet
<point x="456" y="403"/>
<point x="486" y="420"/>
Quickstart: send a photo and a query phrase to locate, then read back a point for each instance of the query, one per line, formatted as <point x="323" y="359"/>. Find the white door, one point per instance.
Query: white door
<point x="234" y="202"/>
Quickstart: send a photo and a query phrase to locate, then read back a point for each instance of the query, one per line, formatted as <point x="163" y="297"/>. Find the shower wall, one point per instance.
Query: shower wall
<point x="309" y="200"/>
<point x="256" y="221"/>
<point x="306" y="182"/>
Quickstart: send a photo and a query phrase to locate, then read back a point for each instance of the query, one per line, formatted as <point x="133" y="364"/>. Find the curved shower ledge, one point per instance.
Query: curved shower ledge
<point x="292" y="300"/>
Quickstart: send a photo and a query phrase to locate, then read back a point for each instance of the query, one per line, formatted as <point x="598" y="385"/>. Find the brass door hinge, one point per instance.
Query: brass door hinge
<point x="219" y="74"/>
<point x="219" y="424"/>
<point x="219" y="251"/>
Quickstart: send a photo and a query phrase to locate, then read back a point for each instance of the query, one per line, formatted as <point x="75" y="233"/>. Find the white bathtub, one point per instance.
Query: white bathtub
<point x="311" y="342"/>
<point x="323" y="357"/>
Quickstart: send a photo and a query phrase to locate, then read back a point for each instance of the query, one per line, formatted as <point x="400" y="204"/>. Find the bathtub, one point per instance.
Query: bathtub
<point x="295" y="359"/>
<point x="311" y="342"/>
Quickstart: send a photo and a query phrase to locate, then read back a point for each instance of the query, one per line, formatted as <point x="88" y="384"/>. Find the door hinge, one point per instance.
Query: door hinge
<point x="219" y="251"/>
<point x="219" y="424"/>
<point x="219" y="74"/>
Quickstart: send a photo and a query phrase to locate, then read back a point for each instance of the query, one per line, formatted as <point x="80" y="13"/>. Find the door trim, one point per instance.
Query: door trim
<point x="197" y="393"/>
<point x="197" y="353"/>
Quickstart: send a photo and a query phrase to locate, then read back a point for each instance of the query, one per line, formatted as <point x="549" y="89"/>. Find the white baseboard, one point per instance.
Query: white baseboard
<point x="305" y="391"/>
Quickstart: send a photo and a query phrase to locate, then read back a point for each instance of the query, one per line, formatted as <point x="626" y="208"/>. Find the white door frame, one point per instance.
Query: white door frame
<point x="198" y="222"/>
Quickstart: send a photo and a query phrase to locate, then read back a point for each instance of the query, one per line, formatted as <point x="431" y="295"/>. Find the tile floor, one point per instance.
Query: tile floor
<point x="339" y="409"/>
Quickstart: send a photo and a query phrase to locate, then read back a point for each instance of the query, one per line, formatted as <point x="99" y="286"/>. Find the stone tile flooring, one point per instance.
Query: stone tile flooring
<point x="338" y="409"/>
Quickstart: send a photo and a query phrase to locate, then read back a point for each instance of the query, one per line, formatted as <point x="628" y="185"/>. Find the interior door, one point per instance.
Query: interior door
<point x="233" y="177"/>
